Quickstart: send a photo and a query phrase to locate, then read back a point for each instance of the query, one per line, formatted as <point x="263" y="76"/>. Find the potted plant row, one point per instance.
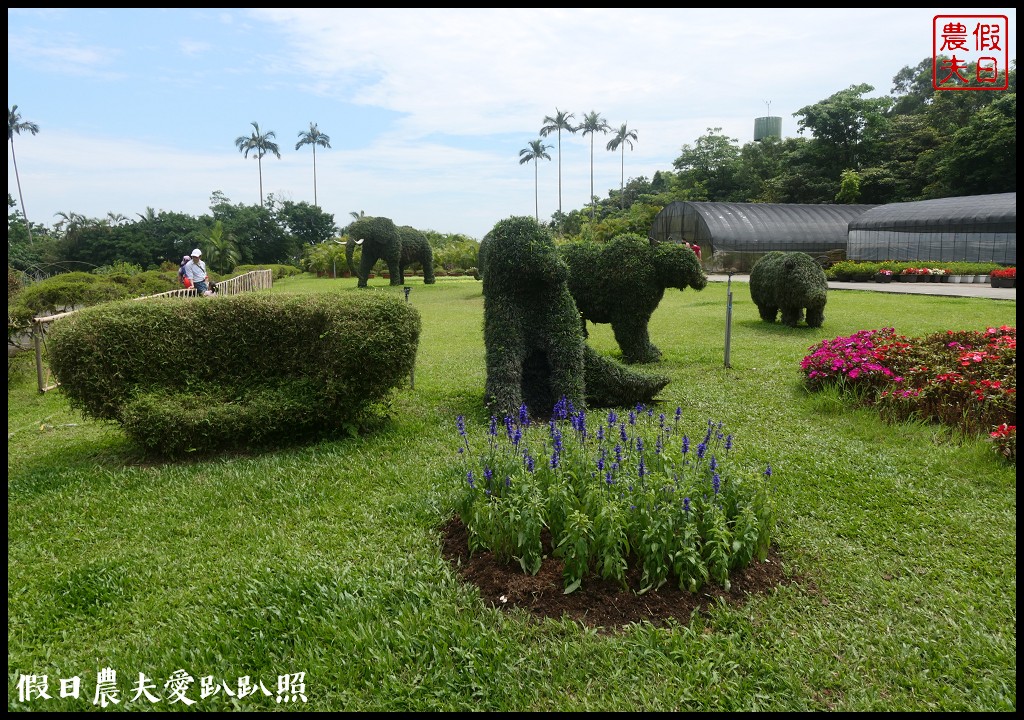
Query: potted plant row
<point x="1004" y="277"/>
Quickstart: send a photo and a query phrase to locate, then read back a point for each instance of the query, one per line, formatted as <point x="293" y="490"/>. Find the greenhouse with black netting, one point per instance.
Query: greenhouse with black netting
<point x="733" y="236"/>
<point x="972" y="228"/>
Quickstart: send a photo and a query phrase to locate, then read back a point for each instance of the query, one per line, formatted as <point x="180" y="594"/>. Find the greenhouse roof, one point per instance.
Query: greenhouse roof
<point x="757" y="227"/>
<point x="997" y="213"/>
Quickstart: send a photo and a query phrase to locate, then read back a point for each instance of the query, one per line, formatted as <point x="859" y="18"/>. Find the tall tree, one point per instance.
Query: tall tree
<point x="14" y="127"/>
<point x="708" y="169"/>
<point x="622" y="138"/>
<point x="313" y="137"/>
<point x="593" y="123"/>
<point x="557" y="123"/>
<point x="259" y="143"/>
<point x="534" y="152"/>
<point x="308" y="224"/>
<point x="846" y="126"/>
<point x="981" y="157"/>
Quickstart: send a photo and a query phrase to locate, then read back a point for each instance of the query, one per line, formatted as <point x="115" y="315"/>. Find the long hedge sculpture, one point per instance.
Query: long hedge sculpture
<point x="239" y="372"/>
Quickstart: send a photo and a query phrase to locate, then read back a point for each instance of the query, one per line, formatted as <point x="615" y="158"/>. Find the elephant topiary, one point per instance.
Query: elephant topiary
<point x="378" y="239"/>
<point x="535" y="349"/>
<point x="790" y="282"/>
<point x="416" y="248"/>
<point x="622" y="282"/>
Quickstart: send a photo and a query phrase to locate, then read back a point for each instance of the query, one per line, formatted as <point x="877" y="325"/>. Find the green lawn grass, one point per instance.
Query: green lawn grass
<point x="325" y="559"/>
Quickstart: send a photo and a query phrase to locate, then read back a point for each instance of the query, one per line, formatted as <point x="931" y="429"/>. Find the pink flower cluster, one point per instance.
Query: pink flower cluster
<point x="966" y="379"/>
<point x="854" y="358"/>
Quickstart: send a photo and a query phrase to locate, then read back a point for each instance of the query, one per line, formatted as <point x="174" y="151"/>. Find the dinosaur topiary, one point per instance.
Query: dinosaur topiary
<point x="535" y="350"/>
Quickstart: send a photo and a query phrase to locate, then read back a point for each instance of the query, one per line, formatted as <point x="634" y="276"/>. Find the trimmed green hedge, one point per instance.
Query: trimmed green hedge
<point x="238" y="372"/>
<point x="280" y="271"/>
<point x="864" y="271"/>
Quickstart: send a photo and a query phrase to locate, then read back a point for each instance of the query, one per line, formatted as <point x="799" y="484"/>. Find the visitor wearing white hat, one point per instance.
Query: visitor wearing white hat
<point x="195" y="271"/>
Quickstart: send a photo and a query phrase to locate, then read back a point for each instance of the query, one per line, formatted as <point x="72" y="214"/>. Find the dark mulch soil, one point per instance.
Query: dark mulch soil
<point x="598" y="603"/>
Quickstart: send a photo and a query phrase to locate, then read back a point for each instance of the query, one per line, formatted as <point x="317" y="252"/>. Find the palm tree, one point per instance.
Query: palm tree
<point x="593" y="123"/>
<point x="558" y="123"/>
<point x="221" y="251"/>
<point x="534" y="152"/>
<point x="313" y="137"/>
<point x="260" y="143"/>
<point x="357" y="215"/>
<point x="69" y="222"/>
<point x="622" y="138"/>
<point x="14" y="127"/>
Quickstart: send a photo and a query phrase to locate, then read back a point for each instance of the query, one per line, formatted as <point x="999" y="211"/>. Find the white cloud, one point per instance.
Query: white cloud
<point x="426" y="109"/>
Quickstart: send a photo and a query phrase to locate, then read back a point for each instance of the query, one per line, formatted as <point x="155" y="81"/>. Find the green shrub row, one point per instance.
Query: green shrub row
<point x="280" y="271"/>
<point x="73" y="290"/>
<point x="862" y="271"/>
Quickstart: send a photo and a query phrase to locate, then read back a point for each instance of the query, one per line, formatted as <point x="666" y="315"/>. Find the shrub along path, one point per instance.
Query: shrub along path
<point x="977" y="290"/>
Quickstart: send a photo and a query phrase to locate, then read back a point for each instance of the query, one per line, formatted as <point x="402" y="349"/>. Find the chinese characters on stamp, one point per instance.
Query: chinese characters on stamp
<point x="970" y="52"/>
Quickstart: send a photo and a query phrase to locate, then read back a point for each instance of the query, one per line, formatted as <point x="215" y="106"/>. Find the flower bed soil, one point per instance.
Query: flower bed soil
<point x="598" y="603"/>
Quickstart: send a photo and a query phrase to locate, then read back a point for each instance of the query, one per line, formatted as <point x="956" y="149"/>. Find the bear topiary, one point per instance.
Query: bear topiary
<point x="789" y="282"/>
<point x="535" y="350"/>
<point x="622" y="282"/>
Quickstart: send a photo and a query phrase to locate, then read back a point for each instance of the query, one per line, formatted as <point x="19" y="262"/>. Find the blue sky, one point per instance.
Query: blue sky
<point x="426" y="110"/>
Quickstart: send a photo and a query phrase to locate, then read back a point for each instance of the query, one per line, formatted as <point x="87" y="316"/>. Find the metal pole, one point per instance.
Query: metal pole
<point x="412" y="371"/>
<point x="37" y="341"/>
<point x="728" y="319"/>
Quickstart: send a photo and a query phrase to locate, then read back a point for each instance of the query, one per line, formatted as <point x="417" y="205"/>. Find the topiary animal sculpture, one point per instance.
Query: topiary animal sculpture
<point x="377" y="236"/>
<point x="416" y="248"/>
<point x="379" y="239"/>
<point x="535" y="350"/>
<point x="268" y="370"/>
<point x="789" y="282"/>
<point x="622" y="282"/>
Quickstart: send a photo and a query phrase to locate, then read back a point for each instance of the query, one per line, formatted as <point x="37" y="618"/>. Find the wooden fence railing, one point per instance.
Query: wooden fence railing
<point x="253" y="280"/>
